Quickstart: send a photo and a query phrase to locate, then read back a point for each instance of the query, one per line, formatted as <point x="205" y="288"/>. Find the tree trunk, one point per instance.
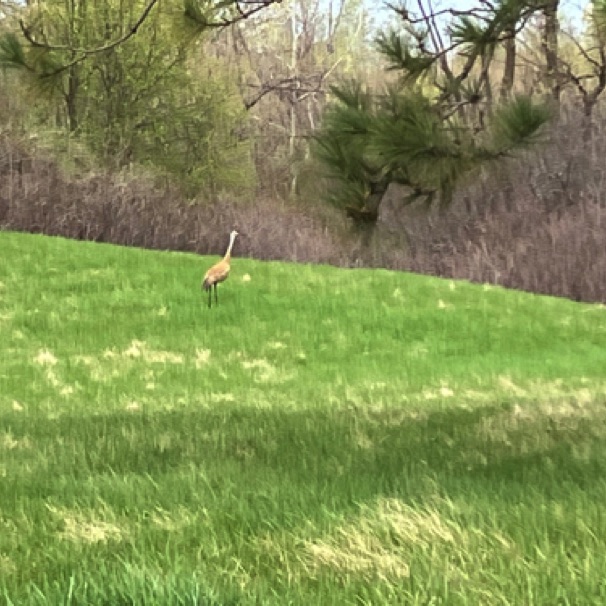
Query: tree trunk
<point x="550" y="48"/>
<point x="509" y="70"/>
<point x="589" y="103"/>
<point x="71" y="98"/>
<point x="293" y="104"/>
<point x="368" y="215"/>
<point x="486" y="61"/>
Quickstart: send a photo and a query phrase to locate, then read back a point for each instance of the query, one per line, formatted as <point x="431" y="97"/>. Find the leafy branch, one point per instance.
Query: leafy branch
<point x="202" y="14"/>
<point x="437" y="124"/>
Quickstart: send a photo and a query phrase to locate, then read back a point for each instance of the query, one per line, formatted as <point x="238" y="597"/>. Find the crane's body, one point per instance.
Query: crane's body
<point x="219" y="272"/>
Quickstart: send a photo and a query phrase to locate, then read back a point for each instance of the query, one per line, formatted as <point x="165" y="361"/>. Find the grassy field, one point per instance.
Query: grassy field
<point x="323" y="436"/>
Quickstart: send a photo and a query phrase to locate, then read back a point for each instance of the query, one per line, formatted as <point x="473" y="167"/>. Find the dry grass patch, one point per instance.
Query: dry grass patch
<point x="202" y="358"/>
<point x="532" y="426"/>
<point x="263" y="371"/>
<point x="378" y="543"/>
<point x="173" y="521"/>
<point x="44" y="357"/>
<point x="113" y="363"/>
<point x="360" y="555"/>
<point x="443" y="392"/>
<point x="87" y="526"/>
<point x="17" y="406"/>
<point x="222" y="397"/>
<point x="48" y="362"/>
<point x="7" y="566"/>
<point x="139" y="349"/>
<point x="276" y="345"/>
<point x="99" y="371"/>
<point x="9" y="442"/>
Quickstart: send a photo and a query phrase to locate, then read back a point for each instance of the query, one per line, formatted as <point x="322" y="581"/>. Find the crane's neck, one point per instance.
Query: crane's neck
<point x="232" y="239"/>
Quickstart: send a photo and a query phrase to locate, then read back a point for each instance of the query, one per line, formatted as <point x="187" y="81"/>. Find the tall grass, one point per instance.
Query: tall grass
<point x="323" y="436"/>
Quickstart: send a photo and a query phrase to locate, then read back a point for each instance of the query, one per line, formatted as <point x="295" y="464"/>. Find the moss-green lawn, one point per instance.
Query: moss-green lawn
<point x="322" y="436"/>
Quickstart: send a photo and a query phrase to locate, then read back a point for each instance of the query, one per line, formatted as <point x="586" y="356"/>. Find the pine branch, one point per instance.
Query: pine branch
<point x="11" y="52"/>
<point x="425" y="141"/>
<point x="517" y="124"/>
<point x="400" y="57"/>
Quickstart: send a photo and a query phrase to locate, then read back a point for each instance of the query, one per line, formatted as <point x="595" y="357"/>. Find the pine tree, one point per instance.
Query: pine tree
<point x="437" y="124"/>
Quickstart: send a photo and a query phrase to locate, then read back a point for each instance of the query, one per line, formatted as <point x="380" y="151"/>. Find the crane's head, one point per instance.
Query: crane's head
<point x="233" y="234"/>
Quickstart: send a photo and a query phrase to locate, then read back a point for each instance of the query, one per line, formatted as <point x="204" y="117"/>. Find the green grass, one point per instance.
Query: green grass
<point x="323" y="436"/>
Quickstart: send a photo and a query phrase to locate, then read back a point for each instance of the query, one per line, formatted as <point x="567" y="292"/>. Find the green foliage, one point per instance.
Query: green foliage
<point x="322" y="436"/>
<point x="425" y="137"/>
<point x="518" y="124"/>
<point x="353" y="95"/>
<point x="203" y="12"/>
<point x="192" y="10"/>
<point x="12" y="55"/>
<point x="402" y="137"/>
<point x="41" y="69"/>
<point x="419" y="147"/>
<point x="480" y="34"/>
<point x="470" y="32"/>
<point x="209" y="149"/>
<point x="396" y="48"/>
<point x="342" y="146"/>
<point x="46" y="75"/>
<point x="508" y="12"/>
<point x="155" y="100"/>
<point x="598" y="19"/>
<point x="346" y="165"/>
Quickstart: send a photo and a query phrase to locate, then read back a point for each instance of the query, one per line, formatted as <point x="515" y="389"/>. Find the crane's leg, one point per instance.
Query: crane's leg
<point x="216" y="300"/>
<point x="209" y="293"/>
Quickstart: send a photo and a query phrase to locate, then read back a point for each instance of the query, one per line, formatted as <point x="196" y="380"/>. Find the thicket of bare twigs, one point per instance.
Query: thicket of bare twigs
<point x="37" y="196"/>
<point x="537" y="223"/>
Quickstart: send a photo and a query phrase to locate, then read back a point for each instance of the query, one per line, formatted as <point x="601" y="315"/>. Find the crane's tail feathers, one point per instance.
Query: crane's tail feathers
<point x="206" y="284"/>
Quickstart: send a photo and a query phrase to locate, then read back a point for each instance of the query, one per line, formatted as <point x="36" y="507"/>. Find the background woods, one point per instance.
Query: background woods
<point x="464" y="143"/>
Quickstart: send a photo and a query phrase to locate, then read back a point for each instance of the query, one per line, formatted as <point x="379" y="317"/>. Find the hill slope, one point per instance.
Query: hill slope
<point x="322" y="436"/>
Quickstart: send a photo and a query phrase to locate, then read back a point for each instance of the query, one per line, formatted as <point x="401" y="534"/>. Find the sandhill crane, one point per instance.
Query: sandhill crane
<point x="219" y="272"/>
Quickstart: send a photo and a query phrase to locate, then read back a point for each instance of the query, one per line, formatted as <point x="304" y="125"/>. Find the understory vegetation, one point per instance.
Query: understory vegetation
<point x="322" y="436"/>
<point x="465" y="144"/>
<point x="536" y="224"/>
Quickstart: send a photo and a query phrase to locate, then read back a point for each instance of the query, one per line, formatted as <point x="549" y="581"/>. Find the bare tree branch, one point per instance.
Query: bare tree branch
<point x="584" y="53"/>
<point x="83" y="51"/>
<point x="299" y="86"/>
<point x="252" y="7"/>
